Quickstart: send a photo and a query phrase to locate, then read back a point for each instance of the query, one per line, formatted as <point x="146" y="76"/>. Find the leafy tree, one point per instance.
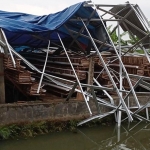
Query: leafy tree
<point x="114" y="36"/>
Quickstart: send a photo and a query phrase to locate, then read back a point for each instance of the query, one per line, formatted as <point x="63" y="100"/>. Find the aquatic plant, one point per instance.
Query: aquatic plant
<point x="5" y="132"/>
<point x="9" y="131"/>
<point x="35" y="128"/>
<point x="29" y="129"/>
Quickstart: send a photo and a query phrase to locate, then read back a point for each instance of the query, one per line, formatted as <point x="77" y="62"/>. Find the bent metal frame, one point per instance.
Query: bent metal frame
<point x="130" y="18"/>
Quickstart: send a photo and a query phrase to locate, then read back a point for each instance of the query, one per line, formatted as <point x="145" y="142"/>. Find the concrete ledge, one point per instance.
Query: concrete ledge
<point x="30" y="112"/>
<point x="56" y="110"/>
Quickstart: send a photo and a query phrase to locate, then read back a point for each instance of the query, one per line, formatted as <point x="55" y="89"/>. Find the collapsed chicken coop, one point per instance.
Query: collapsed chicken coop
<point x="70" y="54"/>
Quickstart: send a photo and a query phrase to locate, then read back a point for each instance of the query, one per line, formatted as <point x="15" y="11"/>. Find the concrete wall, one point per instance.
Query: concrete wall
<point x="29" y="112"/>
<point x="34" y="111"/>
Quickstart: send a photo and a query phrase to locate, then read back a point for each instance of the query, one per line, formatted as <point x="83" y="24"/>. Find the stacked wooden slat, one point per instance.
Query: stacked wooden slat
<point x="8" y="62"/>
<point x="59" y="66"/>
<point x="104" y="58"/>
<point x="140" y="66"/>
<point x="102" y="76"/>
<point x="21" y="77"/>
<point x="57" y="89"/>
<point x="67" y="72"/>
<point x="75" y="60"/>
<point x="137" y="65"/>
<point x="32" y="89"/>
<point x="134" y="60"/>
<point x="57" y="60"/>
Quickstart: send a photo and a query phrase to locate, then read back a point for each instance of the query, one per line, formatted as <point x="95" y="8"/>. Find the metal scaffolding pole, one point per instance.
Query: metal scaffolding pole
<point x="123" y="67"/>
<point x="120" y="76"/>
<point x="75" y="75"/>
<point x="108" y="95"/>
<point x="108" y="72"/>
<point x="42" y="75"/>
<point x="12" y="58"/>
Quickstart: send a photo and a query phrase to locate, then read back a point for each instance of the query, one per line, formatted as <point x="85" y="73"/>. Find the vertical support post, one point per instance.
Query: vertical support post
<point x="118" y="134"/>
<point x="2" y="85"/>
<point x="128" y="100"/>
<point x="147" y="114"/>
<point x="95" y="100"/>
<point x="71" y="92"/>
<point x="90" y="73"/>
<point x="120" y="76"/>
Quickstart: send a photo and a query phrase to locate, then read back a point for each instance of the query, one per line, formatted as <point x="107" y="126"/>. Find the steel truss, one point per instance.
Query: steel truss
<point x="122" y="21"/>
<point x="122" y="15"/>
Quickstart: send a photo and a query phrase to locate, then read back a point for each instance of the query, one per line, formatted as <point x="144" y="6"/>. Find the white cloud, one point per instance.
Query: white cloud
<point x="39" y="7"/>
<point x="38" y="10"/>
<point x="30" y="9"/>
<point x="33" y="9"/>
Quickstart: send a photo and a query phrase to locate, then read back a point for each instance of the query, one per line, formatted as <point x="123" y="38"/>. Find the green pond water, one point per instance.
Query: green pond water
<point x="128" y="137"/>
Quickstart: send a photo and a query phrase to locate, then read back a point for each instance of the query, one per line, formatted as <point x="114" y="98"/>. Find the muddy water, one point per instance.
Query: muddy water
<point x="128" y="137"/>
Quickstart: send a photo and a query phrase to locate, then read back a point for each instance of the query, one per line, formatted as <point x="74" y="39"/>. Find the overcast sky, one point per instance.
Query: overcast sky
<point x="42" y="7"/>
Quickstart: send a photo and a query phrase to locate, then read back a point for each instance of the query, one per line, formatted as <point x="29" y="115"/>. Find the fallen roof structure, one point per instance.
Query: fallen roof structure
<point x="82" y="29"/>
<point x="22" y="29"/>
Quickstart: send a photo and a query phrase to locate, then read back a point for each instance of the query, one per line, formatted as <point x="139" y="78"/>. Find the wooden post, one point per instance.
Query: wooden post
<point x="2" y="85"/>
<point x="90" y="72"/>
<point x="90" y="78"/>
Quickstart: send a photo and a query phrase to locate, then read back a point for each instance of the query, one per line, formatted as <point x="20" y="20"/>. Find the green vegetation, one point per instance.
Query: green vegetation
<point x="130" y="41"/>
<point x="43" y="127"/>
<point x="114" y="36"/>
<point x="36" y="128"/>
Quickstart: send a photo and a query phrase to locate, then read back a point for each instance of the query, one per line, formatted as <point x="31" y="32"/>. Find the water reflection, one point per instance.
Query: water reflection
<point x="135" y="136"/>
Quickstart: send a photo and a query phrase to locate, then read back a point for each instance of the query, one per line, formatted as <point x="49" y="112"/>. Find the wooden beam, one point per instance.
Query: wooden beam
<point x="2" y="83"/>
<point x="90" y="72"/>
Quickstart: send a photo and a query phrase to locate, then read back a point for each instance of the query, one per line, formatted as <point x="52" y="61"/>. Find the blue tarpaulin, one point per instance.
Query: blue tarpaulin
<point x="35" y="31"/>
